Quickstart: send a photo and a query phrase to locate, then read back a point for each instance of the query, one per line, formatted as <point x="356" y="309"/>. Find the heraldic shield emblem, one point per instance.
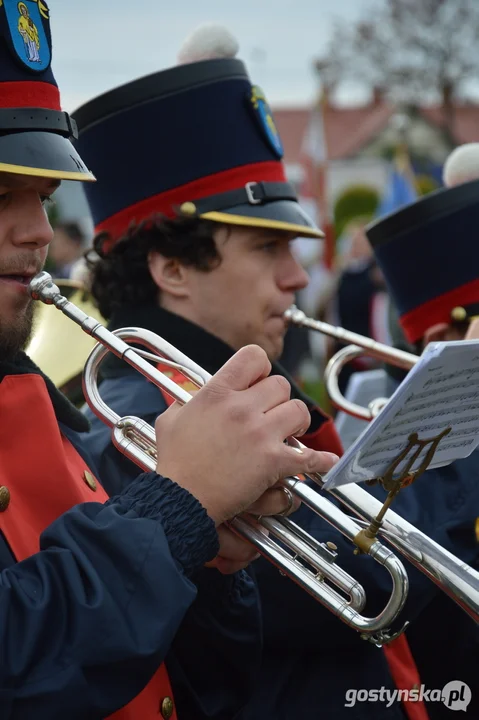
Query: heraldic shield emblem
<point x="264" y="117"/>
<point x="27" y="22"/>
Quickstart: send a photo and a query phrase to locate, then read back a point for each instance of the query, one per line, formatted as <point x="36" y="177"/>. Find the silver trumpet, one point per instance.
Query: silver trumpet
<point x="312" y="565"/>
<point x="357" y="345"/>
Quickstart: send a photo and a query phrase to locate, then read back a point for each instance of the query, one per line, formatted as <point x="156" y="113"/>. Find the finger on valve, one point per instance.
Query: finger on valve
<point x="276" y="501"/>
<point x="230" y="436"/>
<point x="248" y="366"/>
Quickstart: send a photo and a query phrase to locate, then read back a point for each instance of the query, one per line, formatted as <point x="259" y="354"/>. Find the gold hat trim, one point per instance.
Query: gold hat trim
<point x="244" y="220"/>
<point x="42" y="172"/>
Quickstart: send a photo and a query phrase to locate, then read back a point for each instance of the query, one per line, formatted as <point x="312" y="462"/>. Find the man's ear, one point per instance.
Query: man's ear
<point x="436" y="333"/>
<point x="169" y="274"/>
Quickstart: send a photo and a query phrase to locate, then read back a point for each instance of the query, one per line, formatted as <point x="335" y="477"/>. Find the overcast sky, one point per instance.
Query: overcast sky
<point x="99" y="44"/>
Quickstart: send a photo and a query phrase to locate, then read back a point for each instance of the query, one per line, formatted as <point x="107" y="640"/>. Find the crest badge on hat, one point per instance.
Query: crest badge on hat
<point x="26" y="22"/>
<point x="265" y="120"/>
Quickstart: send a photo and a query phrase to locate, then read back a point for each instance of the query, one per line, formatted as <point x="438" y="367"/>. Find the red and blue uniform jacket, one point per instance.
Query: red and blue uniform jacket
<point x="310" y="658"/>
<point x="106" y="609"/>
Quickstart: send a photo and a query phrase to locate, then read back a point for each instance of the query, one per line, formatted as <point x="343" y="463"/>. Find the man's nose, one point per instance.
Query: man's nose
<point x="31" y="224"/>
<point x="293" y="276"/>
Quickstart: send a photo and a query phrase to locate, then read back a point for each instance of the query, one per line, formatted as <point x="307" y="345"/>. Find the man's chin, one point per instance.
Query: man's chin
<point x="15" y="333"/>
<point x="274" y="348"/>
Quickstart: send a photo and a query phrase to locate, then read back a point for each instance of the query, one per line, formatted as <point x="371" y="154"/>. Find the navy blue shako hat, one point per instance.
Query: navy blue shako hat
<point x="430" y="258"/>
<point x="34" y="133"/>
<point x="197" y="139"/>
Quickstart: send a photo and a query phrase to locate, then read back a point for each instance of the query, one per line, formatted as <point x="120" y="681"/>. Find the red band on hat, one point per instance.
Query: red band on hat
<point x="438" y="310"/>
<point x="167" y="203"/>
<point x="33" y="94"/>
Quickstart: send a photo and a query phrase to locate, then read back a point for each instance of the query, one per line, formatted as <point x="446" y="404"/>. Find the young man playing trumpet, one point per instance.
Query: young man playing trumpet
<point x="96" y="592"/>
<point x="194" y="233"/>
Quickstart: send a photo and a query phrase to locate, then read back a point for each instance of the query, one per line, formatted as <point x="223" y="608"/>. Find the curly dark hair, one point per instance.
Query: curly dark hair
<point x="122" y="276"/>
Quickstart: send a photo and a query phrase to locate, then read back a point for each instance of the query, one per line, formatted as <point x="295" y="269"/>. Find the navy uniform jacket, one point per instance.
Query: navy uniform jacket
<point x="162" y="604"/>
<point x="310" y="658"/>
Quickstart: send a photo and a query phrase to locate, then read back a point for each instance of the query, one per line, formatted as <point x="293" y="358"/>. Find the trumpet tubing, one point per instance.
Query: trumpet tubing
<point x="136" y="439"/>
<point x="400" y="358"/>
<point x="311" y="564"/>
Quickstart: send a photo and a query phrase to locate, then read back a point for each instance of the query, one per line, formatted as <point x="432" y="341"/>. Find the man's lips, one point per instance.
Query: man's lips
<point x="280" y="314"/>
<point x="279" y="317"/>
<point x="22" y="278"/>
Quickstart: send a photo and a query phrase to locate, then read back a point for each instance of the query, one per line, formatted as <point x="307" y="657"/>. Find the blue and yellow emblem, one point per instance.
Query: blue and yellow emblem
<point x="264" y="116"/>
<point x="27" y="22"/>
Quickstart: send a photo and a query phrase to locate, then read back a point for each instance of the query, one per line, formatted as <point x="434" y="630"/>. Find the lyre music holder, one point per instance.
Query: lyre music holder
<point x="394" y="485"/>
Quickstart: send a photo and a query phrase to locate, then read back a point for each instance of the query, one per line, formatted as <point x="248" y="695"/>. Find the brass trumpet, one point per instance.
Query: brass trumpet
<point x="356" y="345"/>
<point x="312" y="565"/>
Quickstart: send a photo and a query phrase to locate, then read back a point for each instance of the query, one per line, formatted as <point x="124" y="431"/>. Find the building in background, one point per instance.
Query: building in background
<point x="360" y="143"/>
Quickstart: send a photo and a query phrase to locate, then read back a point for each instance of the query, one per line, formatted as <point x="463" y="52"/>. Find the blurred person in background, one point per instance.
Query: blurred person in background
<point x="298" y="342"/>
<point x="66" y="249"/>
<point x="462" y="165"/>
<point x="305" y="354"/>
<point x="360" y="303"/>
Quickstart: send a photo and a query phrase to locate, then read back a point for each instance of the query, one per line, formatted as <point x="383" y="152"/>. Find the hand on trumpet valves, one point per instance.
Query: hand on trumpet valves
<point x="226" y="445"/>
<point x="235" y="553"/>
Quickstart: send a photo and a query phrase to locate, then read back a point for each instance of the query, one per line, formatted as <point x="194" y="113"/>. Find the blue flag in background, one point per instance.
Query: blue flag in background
<point x="400" y="191"/>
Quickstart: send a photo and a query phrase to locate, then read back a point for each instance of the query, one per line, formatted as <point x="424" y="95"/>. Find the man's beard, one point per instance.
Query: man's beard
<point x="15" y="336"/>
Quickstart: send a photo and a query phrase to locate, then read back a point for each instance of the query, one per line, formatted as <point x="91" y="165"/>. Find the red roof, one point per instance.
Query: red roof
<point x="348" y="130"/>
<point x="466" y="121"/>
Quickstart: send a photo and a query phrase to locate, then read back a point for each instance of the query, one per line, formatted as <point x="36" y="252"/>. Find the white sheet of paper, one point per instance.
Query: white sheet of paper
<point x="441" y="391"/>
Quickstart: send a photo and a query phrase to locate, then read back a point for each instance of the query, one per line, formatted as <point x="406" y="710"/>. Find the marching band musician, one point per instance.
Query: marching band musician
<point x="434" y="287"/>
<point x="193" y="239"/>
<point x="96" y="592"/>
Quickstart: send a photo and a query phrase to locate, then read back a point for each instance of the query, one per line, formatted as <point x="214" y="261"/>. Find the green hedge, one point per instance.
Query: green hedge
<point x="355" y="201"/>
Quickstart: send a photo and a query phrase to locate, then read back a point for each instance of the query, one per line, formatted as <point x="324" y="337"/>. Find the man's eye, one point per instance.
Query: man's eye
<point x="47" y="201"/>
<point x="270" y="247"/>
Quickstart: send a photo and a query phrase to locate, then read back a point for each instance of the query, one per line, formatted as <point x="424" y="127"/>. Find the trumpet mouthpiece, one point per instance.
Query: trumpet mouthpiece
<point x="43" y="288"/>
<point x="293" y="315"/>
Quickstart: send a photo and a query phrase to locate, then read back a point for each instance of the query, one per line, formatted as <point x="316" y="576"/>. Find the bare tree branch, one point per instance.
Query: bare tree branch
<point x="413" y="49"/>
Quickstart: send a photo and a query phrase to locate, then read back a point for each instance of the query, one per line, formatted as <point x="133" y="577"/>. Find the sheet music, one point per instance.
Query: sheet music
<point x="441" y="391"/>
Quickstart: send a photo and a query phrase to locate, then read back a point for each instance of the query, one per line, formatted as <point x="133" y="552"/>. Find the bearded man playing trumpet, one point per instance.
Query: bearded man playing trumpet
<point x="193" y="243"/>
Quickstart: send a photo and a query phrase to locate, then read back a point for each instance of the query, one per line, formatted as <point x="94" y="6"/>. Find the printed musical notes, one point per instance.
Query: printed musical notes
<point x="440" y="392"/>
